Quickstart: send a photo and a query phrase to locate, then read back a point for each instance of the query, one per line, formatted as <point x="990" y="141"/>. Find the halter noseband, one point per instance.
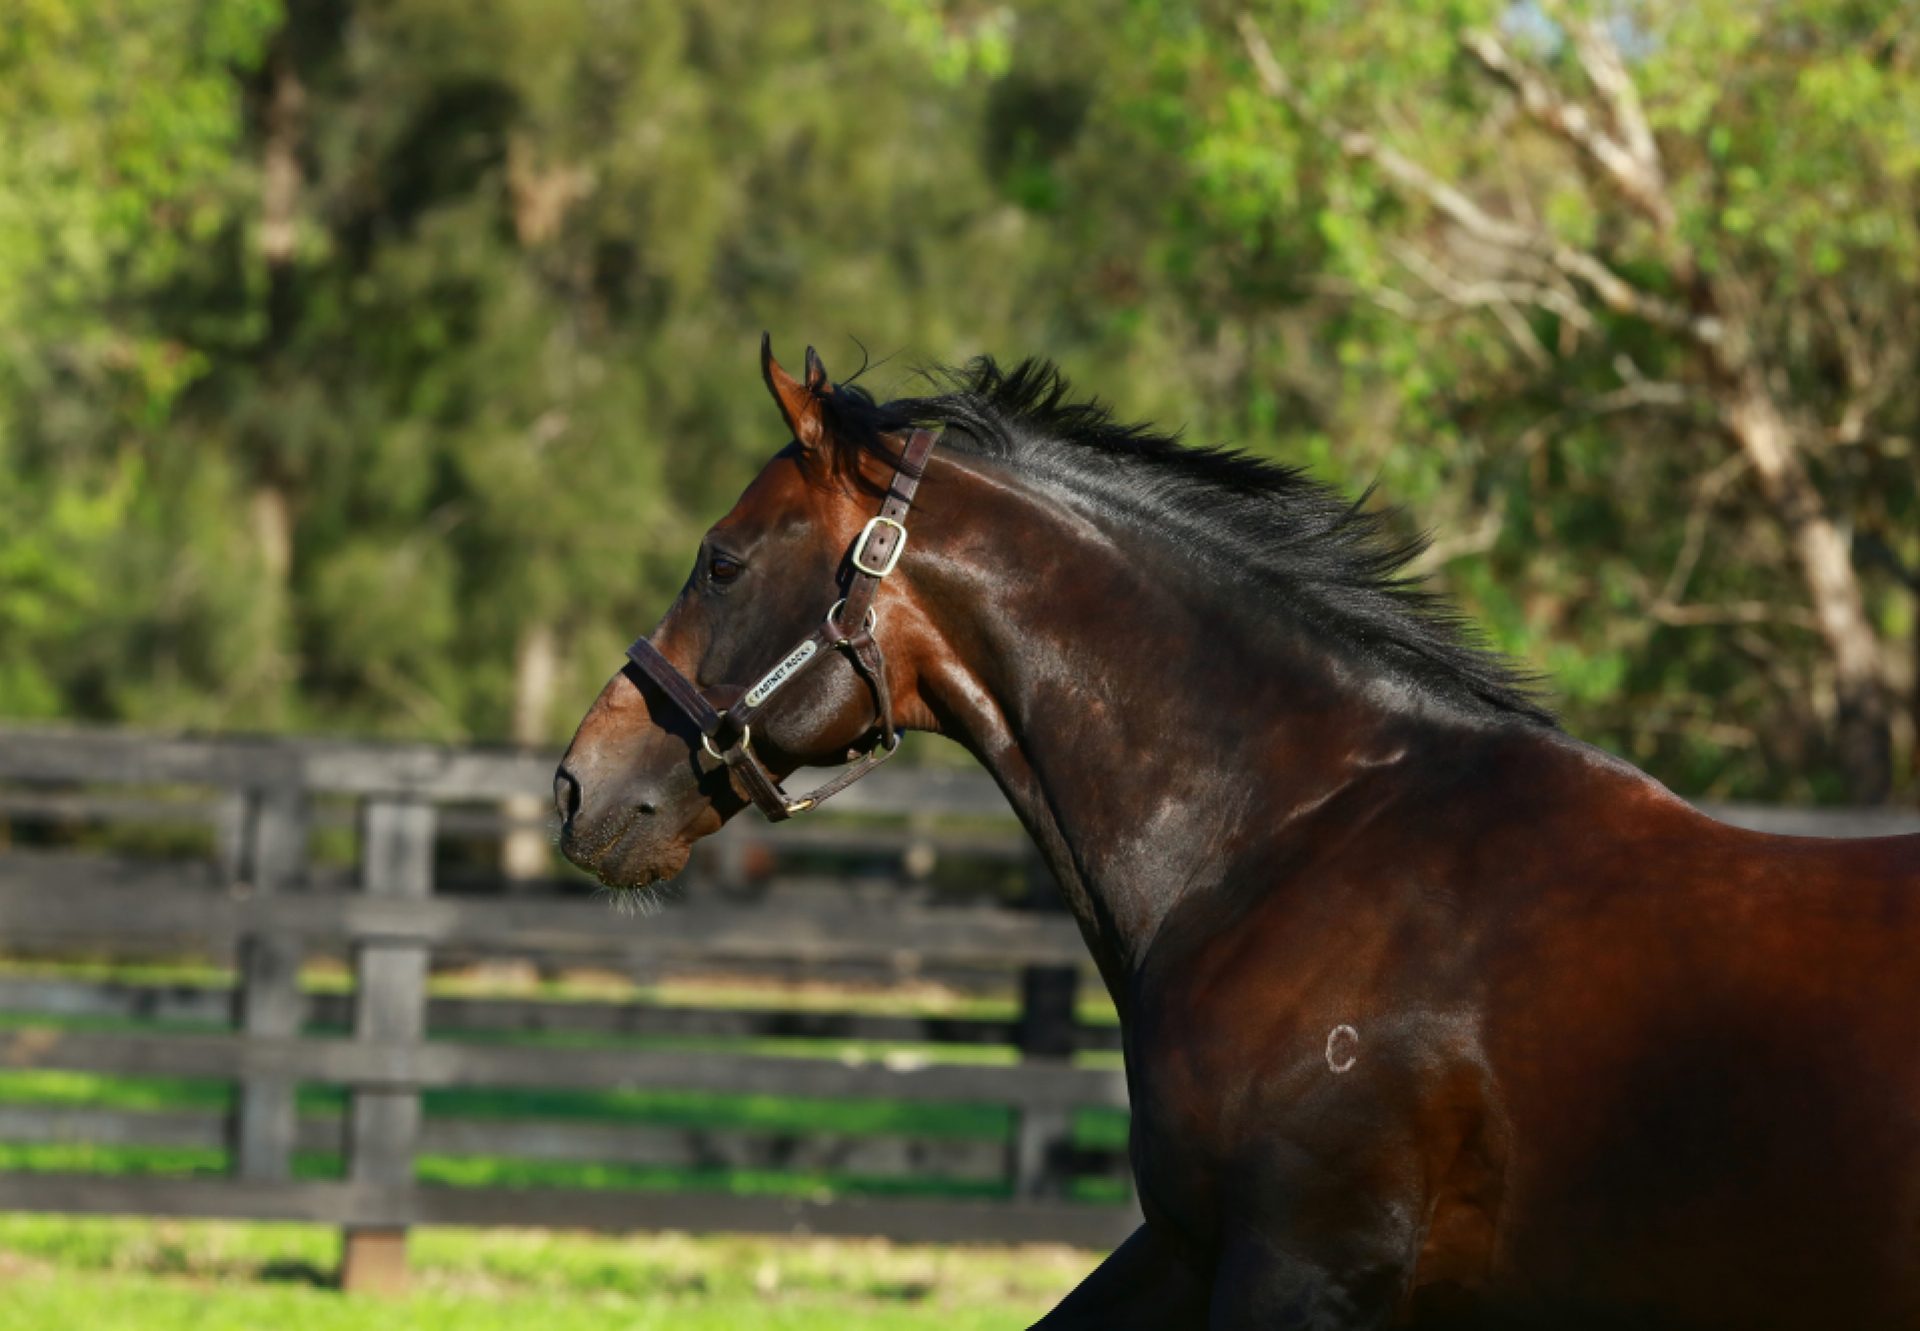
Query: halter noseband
<point x="875" y="552"/>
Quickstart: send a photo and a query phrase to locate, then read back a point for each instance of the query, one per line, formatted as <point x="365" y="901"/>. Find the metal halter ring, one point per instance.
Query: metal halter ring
<point x="746" y="743"/>
<point x="873" y="615"/>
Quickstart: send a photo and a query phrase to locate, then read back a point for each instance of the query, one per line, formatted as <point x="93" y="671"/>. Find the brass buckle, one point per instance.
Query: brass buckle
<point x="866" y="534"/>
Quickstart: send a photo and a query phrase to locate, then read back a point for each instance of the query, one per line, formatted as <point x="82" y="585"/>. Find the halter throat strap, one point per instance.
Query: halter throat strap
<point x="848" y="627"/>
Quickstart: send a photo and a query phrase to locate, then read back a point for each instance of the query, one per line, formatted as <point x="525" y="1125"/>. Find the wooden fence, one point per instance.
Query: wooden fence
<point x="265" y="899"/>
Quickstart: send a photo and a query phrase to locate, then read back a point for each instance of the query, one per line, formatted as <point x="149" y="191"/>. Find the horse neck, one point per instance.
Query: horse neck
<point x="1148" y="725"/>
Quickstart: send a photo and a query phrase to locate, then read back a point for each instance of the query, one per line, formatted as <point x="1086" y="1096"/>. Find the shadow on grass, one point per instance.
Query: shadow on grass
<point x="298" y="1273"/>
<point x="904" y="1291"/>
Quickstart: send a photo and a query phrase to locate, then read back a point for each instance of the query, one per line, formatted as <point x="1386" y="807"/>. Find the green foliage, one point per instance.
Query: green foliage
<point x="492" y="371"/>
<point x="1789" y="136"/>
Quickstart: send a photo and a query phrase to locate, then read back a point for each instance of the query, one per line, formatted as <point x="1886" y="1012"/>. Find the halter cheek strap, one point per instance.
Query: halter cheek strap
<point x="848" y="627"/>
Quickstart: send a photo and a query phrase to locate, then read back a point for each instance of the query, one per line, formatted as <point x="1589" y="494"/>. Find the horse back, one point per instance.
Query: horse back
<point x="1705" y="1042"/>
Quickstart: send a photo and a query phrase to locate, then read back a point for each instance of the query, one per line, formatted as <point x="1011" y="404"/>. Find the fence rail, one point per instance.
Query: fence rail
<point x="212" y="1004"/>
<point x="351" y="1205"/>
<point x="561" y="1140"/>
<point x="262" y="903"/>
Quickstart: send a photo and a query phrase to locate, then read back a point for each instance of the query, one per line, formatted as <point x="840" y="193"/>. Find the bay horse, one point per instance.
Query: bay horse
<point x="1433" y="1015"/>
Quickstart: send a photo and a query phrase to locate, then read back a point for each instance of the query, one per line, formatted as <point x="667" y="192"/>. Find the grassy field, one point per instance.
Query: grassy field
<point x="85" y="1274"/>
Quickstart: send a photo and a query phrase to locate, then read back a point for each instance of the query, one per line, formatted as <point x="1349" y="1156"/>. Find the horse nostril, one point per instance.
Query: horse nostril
<point x="566" y="795"/>
<point x="646" y="806"/>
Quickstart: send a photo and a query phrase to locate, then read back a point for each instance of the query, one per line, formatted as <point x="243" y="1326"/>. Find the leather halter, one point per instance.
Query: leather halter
<point x="875" y="552"/>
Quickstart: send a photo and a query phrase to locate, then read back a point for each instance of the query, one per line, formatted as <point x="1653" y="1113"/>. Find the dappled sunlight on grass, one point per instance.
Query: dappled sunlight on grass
<point x="58" y="1273"/>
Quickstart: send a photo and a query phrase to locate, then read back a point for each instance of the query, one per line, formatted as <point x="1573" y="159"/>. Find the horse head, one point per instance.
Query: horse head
<point x="683" y="737"/>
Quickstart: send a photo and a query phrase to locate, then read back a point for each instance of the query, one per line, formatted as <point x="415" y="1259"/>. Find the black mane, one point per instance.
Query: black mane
<point x="1333" y="562"/>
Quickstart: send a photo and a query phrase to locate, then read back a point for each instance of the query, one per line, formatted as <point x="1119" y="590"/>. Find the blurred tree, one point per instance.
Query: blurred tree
<point x="1695" y="231"/>
<point x="373" y="364"/>
<point x="117" y="571"/>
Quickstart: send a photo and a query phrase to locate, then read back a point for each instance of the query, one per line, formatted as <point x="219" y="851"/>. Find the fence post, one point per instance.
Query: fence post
<point x="1043" y="1145"/>
<point x="396" y="860"/>
<point x="1043" y="1138"/>
<point x="271" y="857"/>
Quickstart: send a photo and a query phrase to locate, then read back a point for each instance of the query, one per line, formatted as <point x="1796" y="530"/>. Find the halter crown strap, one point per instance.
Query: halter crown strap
<point x="848" y="626"/>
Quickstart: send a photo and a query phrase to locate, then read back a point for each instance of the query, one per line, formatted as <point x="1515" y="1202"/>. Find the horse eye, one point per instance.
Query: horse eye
<point x="722" y="568"/>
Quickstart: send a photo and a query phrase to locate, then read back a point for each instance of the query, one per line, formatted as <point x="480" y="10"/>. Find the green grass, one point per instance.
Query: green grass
<point x="783" y="1046"/>
<point x="327" y="976"/>
<point x="685" y="1109"/>
<point x="491" y="1171"/>
<point x="478" y="1171"/>
<point x="63" y="1273"/>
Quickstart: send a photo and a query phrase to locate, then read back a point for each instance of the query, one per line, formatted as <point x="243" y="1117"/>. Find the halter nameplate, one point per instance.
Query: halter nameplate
<point x="781" y="673"/>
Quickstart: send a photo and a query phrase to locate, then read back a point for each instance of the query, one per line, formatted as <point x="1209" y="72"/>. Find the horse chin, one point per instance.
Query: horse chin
<point x="628" y="858"/>
<point x="626" y="868"/>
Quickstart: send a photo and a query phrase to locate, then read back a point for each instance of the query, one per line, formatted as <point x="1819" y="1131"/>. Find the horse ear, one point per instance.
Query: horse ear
<point x="799" y="403"/>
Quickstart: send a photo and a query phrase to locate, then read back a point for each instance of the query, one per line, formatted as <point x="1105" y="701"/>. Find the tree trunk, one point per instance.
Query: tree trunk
<point x="281" y="180"/>
<point x="271" y="512"/>
<point x="526" y="851"/>
<point x="280" y="184"/>
<point x="1863" y="730"/>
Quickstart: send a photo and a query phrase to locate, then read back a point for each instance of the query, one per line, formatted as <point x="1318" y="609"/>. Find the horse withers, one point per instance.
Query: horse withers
<point x="1433" y="1015"/>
